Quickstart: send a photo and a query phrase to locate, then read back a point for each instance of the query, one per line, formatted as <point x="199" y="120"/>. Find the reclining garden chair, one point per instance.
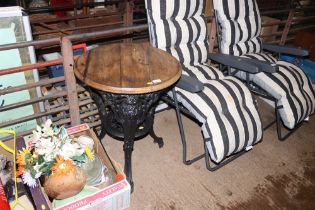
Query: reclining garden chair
<point x="239" y="26"/>
<point x="223" y="106"/>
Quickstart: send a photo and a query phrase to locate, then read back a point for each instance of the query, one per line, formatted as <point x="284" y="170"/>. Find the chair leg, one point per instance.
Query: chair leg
<point x="182" y="133"/>
<point x="281" y="136"/>
<point x="220" y="165"/>
<point x="279" y="124"/>
<point x="206" y="154"/>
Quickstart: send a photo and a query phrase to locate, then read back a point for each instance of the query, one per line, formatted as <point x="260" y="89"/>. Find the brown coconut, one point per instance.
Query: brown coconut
<point x="65" y="186"/>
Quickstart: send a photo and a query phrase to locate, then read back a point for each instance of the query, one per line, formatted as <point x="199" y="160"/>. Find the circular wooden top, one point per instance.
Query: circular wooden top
<point x="127" y="68"/>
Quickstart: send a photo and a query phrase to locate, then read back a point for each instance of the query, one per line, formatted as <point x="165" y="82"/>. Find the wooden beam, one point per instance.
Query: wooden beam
<point x="67" y="53"/>
<point x="287" y="27"/>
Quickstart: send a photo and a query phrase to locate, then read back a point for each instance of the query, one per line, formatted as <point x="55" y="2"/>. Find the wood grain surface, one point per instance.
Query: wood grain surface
<point x="127" y="68"/>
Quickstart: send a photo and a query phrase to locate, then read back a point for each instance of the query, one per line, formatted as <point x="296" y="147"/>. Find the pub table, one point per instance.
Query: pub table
<point x="126" y="81"/>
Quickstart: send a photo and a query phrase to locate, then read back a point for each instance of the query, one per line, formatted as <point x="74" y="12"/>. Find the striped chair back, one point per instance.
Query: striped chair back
<point x="240" y="26"/>
<point x="181" y="27"/>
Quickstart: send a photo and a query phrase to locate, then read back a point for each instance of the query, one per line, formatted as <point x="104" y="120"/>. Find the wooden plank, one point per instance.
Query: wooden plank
<point x="128" y="17"/>
<point x="212" y="35"/>
<point x="287" y="27"/>
<point x="134" y="70"/>
<point x="128" y="68"/>
<point x="86" y="8"/>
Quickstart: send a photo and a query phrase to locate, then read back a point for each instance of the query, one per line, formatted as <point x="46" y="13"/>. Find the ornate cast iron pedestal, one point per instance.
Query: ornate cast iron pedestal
<point x="128" y="117"/>
<point x="127" y="80"/>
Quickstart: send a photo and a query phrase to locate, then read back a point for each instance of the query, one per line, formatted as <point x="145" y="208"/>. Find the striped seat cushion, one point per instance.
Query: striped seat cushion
<point x="240" y="25"/>
<point x="202" y="72"/>
<point x="225" y="108"/>
<point x="290" y="86"/>
<point x="227" y="112"/>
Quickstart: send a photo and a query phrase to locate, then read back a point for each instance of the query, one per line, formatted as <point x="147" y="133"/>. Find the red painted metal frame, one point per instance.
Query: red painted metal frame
<point x="67" y="60"/>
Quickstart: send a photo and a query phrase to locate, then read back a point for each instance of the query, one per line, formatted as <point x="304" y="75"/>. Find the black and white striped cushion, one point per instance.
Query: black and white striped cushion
<point x="230" y="121"/>
<point x="290" y="86"/>
<point x="182" y="24"/>
<point x="202" y="72"/>
<point x="226" y="108"/>
<point x="241" y="25"/>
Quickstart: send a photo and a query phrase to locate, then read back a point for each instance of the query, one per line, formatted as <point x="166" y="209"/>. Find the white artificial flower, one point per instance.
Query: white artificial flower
<point x="46" y="142"/>
<point x="38" y="129"/>
<point x="44" y="146"/>
<point x="37" y="167"/>
<point x="48" y="123"/>
<point x="48" y="155"/>
<point x="36" y="137"/>
<point x="48" y="131"/>
<point x="86" y="141"/>
<point x="51" y="141"/>
<point x="28" y="179"/>
<point x="68" y="150"/>
<point x="38" y="175"/>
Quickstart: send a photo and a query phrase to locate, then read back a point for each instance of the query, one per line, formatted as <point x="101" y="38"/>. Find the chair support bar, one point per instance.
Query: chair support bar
<point x="217" y="166"/>
<point x="285" y="50"/>
<point x="182" y="133"/>
<point x="189" y="84"/>
<point x="245" y="64"/>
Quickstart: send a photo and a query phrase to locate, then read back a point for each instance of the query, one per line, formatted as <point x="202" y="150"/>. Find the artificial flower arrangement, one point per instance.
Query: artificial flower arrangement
<point x="54" y="154"/>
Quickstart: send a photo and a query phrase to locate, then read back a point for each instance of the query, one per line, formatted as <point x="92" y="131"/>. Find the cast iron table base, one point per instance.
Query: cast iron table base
<point x="130" y="111"/>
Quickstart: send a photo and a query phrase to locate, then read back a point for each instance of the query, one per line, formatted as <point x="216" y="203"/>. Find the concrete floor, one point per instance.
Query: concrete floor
<point x="274" y="175"/>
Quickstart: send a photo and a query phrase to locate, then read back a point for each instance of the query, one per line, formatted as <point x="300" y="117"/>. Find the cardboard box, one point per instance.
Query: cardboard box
<point x="113" y="197"/>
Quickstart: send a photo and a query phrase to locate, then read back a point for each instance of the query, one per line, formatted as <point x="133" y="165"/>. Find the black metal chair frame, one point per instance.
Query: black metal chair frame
<point x="279" y="125"/>
<point x="180" y="109"/>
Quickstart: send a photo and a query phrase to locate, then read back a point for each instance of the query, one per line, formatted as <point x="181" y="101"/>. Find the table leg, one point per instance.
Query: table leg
<point x="101" y="110"/>
<point x="156" y="139"/>
<point x="129" y="131"/>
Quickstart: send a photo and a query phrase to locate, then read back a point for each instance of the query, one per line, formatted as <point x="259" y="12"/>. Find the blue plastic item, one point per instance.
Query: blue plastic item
<point x="57" y="70"/>
<point x="306" y="65"/>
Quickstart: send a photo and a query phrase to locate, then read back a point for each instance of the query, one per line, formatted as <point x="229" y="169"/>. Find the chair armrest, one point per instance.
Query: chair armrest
<point x="285" y="50"/>
<point x="189" y="84"/>
<point x="245" y="64"/>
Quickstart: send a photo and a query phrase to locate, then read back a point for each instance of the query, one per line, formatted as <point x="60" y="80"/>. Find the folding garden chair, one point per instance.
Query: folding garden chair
<point x="289" y="88"/>
<point x="223" y="106"/>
